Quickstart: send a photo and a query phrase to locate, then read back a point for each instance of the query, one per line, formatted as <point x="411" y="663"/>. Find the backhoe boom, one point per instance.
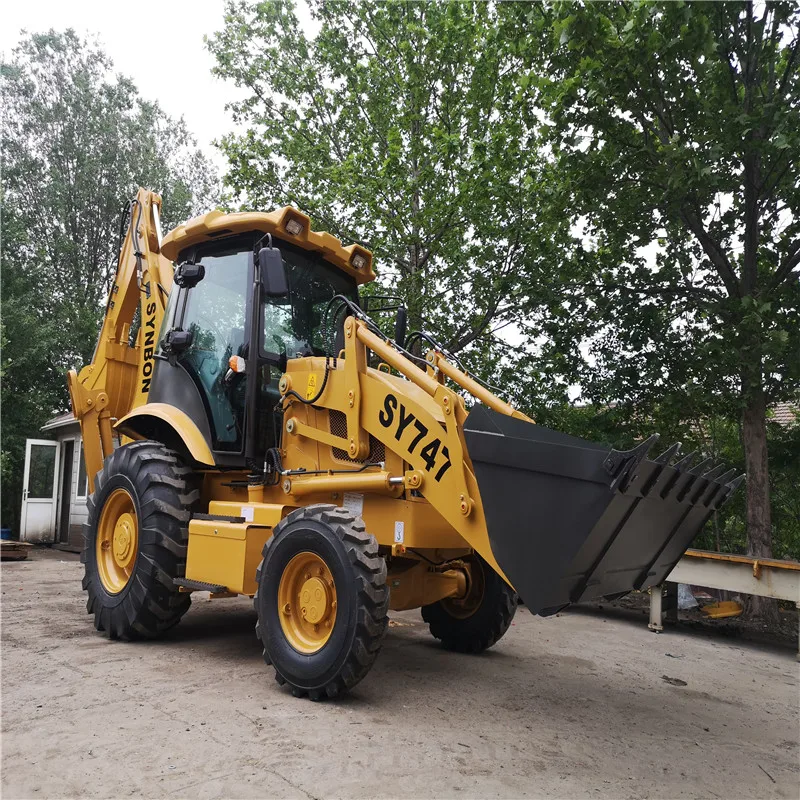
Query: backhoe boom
<point x="119" y="376"/>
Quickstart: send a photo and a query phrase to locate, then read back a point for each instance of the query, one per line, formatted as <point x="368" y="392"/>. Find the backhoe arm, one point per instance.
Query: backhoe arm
<point x="118" y="377"/>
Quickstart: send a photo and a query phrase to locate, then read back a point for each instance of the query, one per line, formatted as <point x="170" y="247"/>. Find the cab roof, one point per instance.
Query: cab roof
<point x="216" y="225"/>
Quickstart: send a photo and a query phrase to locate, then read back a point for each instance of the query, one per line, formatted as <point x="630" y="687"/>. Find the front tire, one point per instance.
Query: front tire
<point x="322" y="601"/>
<point x="479" y="620"/>
<point x="135" y="541"/>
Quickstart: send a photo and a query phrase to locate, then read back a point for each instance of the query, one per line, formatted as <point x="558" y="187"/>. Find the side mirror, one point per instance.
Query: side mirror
<point x="401" y="326"/>
<point x="176" y="341"/>
<point x="189" y="275"/>
<point x="273" y="273"/>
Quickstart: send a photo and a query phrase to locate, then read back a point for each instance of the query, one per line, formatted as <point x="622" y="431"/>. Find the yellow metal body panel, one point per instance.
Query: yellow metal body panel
<point x="421" y="525"/>
<point x="267" y="514"/>
<point x="225" y="553"/>
<point x="423" y="496"/>
<point x="419" y="421"/>
<point x="118" y="378"/>
<point x="178" y="420"/>
<point x="212" y="225"/>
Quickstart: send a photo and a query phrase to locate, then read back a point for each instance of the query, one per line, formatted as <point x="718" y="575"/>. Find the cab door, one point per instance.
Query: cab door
<point x="40" y="491"/>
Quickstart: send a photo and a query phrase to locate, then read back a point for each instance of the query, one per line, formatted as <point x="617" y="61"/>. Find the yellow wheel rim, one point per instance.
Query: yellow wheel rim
<point x="307" y="602"/>
<point x="117" y="541"/>
<point x="476" y="588"/>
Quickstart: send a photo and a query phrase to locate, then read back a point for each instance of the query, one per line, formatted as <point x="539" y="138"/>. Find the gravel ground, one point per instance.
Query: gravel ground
<point x="579" y="705"/>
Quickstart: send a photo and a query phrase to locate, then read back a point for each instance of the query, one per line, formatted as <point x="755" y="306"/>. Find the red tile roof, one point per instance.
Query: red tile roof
<point x="786" y="414"/>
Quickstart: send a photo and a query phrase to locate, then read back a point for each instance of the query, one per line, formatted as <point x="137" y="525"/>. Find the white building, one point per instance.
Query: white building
<point x="55" y="486"/>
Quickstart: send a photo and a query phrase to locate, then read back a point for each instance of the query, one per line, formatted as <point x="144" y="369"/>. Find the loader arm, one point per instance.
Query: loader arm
<point x="559" y="518"/>
<point x="424" y="427"/>
<point x="118" y="378"/>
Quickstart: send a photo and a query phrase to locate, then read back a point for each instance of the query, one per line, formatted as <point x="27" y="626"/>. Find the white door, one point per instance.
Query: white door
<point x="39" y="491"/>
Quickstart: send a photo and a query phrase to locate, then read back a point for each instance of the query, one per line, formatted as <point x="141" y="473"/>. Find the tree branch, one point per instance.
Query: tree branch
<point x="789" y="66"/>
<point x="713" y="250"/>
<point x="789" y="263"/>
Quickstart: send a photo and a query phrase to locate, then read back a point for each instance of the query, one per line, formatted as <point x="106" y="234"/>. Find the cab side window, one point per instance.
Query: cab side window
<point x="215" y="313"/>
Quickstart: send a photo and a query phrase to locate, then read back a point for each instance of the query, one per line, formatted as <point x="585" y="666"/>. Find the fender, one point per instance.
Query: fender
<point x="135" y="425"/>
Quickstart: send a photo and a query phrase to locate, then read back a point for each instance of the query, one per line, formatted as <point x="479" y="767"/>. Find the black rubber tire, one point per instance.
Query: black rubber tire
<point x="486" y="626"/>
<point x="165" y="495"/>
<point x="359" y="575"/>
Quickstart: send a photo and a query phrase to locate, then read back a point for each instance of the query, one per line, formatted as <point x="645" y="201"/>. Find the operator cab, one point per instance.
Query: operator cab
<point x="209" y="320"/>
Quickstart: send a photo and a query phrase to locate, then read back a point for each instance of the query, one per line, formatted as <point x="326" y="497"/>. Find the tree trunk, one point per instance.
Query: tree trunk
<point x="759" y="523"/>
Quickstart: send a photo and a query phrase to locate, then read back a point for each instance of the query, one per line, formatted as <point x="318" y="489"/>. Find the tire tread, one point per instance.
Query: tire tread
<point x="373" y="598"/>
<point x="167" y="498"/>
<point x="474" y="635"/>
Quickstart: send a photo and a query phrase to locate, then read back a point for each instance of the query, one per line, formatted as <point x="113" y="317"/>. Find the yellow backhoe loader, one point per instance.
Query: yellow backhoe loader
<point x="275" y="443"/>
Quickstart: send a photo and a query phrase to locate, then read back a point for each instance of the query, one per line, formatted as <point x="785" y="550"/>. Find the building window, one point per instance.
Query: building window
<point x="82" y="490"/>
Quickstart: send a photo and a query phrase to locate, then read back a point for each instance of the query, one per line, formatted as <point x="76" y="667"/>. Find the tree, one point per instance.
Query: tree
<point x="391" y="125"/>
<point x="76" y="142"/>
<point x="676" y="124"/>
<point x="612" y="182"/>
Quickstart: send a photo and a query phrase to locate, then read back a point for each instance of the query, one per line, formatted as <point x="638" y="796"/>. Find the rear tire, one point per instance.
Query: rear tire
<point x="479" y="621"/>
<point x="135" y="541"/>
<point x="321" y="647"/>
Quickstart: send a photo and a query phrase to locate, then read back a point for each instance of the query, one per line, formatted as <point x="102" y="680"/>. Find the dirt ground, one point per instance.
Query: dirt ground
<point x="579" y="705"/>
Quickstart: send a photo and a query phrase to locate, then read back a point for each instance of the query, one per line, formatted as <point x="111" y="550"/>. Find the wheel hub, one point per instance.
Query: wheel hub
<point x="117" y="541"/>
<point x="124" y="535"/>
<point x="307" y="602"/>
<point x="314" y="600"/>
<point x="465" y="606"/>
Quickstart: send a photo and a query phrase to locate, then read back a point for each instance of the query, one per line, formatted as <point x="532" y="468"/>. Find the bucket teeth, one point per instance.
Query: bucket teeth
<point x="685" y="462"/>
<point x="621" y="464"/>
<point x="734" y="484"/>
<point x="668" y="454"/>
<point x="700" y="468"/>
<point x="725" y="477"/>
<point x="714" y="473"/>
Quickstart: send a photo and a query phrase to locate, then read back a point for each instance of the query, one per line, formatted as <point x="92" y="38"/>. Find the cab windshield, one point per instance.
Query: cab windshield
<point x="292" y="326"/>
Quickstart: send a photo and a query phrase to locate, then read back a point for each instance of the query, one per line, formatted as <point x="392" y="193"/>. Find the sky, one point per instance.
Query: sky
<point x="160" y="46"/>
<point x="157" y="44"/>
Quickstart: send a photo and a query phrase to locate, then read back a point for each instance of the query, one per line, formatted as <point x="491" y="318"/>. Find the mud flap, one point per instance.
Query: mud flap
<point x="571" y="520"/>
